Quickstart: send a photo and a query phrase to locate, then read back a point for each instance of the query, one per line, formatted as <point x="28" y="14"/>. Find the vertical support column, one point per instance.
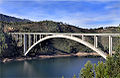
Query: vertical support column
<point x="25" y="43"/>
<point x="16" y="37"/>
<point x="29" y="40"/>
<point x="12" y="35"/>
<point x="21" y="40"/>
<point x="95" y="41"/>
<point x="34" y="39"/>
<point x="83" y="38"/>
<point x="39" y="36"/>
<point x="110" y="45"/>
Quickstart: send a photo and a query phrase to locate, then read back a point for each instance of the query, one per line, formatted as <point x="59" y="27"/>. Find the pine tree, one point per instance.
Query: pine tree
<point x="87" y="71"/>
<point x="100" y="71"/>
<point x="74" y="76"/>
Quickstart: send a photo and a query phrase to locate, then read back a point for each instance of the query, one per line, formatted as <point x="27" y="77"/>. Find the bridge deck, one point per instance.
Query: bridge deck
<point x="85" y="34"/>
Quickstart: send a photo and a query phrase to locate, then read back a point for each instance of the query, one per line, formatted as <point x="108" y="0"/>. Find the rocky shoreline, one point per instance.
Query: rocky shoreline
<point x="79" y="54"/>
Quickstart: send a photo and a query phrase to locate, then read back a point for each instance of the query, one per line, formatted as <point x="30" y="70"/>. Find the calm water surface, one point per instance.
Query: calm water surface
<point x="45" y="68"/>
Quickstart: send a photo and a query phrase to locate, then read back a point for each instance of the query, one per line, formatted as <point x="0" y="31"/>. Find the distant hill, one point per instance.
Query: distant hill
<point x="6" y="18"/>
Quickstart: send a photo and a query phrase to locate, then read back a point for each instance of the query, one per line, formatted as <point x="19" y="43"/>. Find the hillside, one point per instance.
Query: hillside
<point x="42" y="26"/>
<point x="6" y="18"/>
<point x="59" y="46"/>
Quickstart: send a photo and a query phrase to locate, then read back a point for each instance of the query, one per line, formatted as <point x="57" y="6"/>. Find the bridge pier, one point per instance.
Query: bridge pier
<point x="110" y="45"/>
<point x="95" y="41"/>
<point x="83" y="38"/>
<point x="29" y="40"/>
<point x="39" y="36"/>
<point x="36" y="38"/>
<point x="16" y="37"/>
<point x="25" y="43"/>
<point x="21" y="39"/>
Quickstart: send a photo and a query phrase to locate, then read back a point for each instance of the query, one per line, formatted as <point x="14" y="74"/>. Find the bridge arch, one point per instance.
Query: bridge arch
<point x="71" y="38"/>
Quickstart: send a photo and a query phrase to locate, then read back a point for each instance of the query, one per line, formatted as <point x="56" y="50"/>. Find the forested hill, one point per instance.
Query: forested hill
<point x="6" y="18"/>
<point x="22" y="25"/>
<point x="53" y="27"/>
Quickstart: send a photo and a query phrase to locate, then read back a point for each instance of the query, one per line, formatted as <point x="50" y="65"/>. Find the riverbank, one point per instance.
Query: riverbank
<point x="79" y="54"/>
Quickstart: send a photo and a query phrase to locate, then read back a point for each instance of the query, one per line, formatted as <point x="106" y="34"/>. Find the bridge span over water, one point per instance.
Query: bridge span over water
<point x="30" y="40"/>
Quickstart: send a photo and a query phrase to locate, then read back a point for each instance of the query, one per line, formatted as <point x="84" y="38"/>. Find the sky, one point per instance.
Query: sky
<point x="81" y="13"/>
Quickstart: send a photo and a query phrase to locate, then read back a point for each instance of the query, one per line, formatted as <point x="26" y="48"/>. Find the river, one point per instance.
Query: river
<point x="45" y="68"/>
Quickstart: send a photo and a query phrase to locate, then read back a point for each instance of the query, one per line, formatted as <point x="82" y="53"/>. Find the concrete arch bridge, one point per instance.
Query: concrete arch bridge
<point x="32" y="39"/>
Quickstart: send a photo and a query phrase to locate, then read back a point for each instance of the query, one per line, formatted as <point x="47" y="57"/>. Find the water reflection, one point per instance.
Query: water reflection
<point x="28" y="69"/>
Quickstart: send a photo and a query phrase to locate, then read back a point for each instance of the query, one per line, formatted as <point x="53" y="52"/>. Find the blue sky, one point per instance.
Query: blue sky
<point x="82" y="13"/>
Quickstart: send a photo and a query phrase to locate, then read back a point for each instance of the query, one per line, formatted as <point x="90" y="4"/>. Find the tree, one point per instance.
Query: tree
<point x="3" y="44"/>
<point x="74" y="76"/>
<point x="100" y="71"/>
<point x="8" y="47"/>
<point x="62" y="76"/>
<point x="87" y="71"/>
<point x="113" y="64"/>
<point x="109" y="69"/>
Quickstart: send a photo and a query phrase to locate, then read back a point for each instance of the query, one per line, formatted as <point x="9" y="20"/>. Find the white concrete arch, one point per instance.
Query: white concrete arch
<point x="71" y="38"/>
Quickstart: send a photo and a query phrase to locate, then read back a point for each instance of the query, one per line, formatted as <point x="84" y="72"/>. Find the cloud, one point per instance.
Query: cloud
<point x="1" y="1"/>
<point x="83" y="20"/>
<point x="76" y="13"/>
<point x="67" y="0"/>
<point x="113" y="6"/>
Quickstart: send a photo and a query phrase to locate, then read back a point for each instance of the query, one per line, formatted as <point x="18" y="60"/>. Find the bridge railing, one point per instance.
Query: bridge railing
<point x="85" y="34"/>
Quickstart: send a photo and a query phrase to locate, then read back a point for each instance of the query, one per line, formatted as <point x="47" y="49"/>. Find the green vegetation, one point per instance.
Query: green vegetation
<point x="100" y="71"/>
<point x="11" y="19"/>
<point x="109" y="69"/>
<point x="7" y="46"/>
<point x="3" y="44"/>
<point x="74" y="76"/>
<point x="87" y="72"/>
